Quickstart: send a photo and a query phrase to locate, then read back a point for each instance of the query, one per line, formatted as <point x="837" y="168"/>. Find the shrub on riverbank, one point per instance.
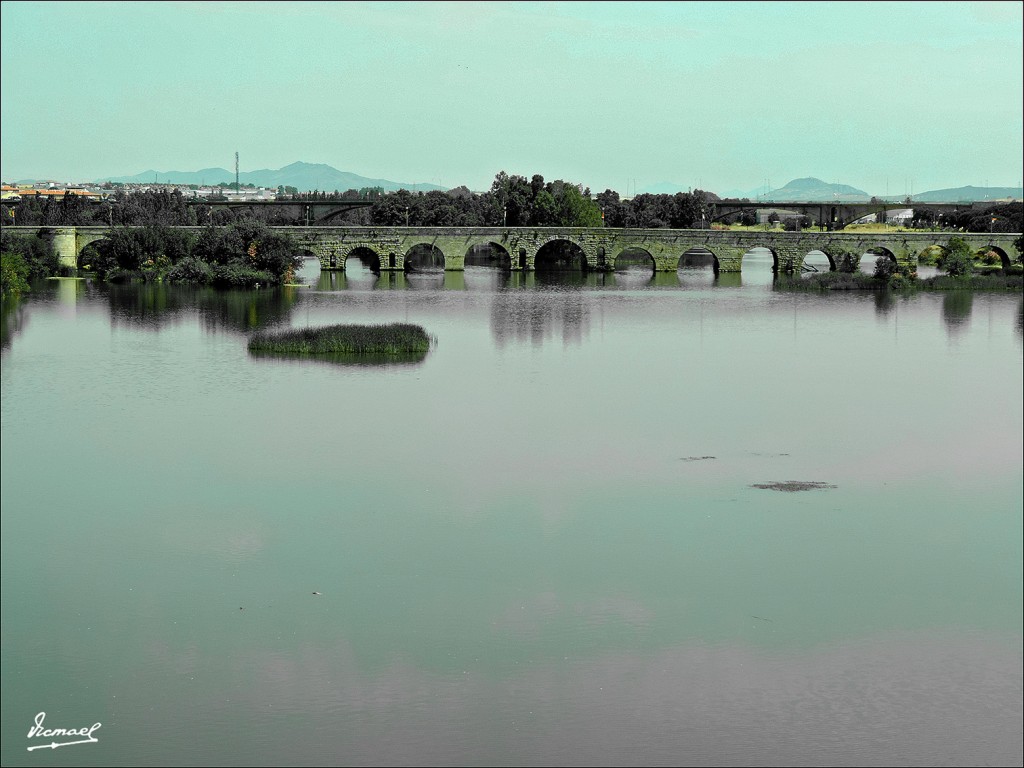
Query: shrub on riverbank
<point x="395" y="339"/>
<point x="244" y="254"/>
<point x="26" y="258"/>
<point x="13" y="273"/>
<point x="957" y="259"/>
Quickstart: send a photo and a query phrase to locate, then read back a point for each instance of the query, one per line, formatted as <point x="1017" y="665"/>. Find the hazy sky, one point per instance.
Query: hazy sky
<point x="725" y="96"/>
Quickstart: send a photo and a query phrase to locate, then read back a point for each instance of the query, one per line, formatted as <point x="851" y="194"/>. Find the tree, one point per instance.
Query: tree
<point x="612" y="207"/>
<point x="576" y="210"/>
<point x="885" y="267"/>
<point x="958" y="260"/>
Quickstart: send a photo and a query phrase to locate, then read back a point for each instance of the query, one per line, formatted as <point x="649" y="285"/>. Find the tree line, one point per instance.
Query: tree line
<point x="511" y="200"/>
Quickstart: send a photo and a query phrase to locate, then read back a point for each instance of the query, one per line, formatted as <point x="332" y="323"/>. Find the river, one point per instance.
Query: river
<point x="544" y="544"/>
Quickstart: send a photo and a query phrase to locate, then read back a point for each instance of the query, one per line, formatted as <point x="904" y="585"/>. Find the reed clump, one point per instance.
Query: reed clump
<point x="395" y="339"/>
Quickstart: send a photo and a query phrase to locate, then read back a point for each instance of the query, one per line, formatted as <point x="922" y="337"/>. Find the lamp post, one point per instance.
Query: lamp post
<point x="504" y="214"/>
<point x="407" y="215"/>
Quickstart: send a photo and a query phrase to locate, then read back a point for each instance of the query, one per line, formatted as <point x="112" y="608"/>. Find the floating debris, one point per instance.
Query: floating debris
<point x="695" y="458"/>
<point x="791" y="486"/>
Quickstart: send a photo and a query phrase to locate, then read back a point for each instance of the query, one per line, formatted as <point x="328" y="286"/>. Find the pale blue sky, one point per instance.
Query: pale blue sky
<point x="719" y="95"/>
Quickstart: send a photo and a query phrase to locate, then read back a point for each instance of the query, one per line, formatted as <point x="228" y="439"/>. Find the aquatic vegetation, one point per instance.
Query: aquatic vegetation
<point x="832" y="281"/>
<point x="974" y="282"/>
<point x="791" y="486"/>
<point x="396" y="339"/>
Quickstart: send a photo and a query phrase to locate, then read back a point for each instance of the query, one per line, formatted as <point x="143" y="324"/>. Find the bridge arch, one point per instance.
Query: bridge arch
<point x="424" y="257"/>
<point x="82" y="241"/>
<point x="698" y="258"/>
<point x="367" y="256"/>
<point x="818" y="260"/>
<point x="634" y="258"/>
<point x="1004" y="257"/>
<point x="488" y="254"/>
<point x="880" y="252"/>
<point x="560" y="254"/>
<point x="756" y="254"/>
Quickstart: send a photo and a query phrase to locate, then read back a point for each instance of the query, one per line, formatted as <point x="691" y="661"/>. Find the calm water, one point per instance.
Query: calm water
<point x="540" y="545"/>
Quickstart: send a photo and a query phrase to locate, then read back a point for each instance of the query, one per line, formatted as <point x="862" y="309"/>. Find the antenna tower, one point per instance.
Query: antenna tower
<point x="236" y="171"/>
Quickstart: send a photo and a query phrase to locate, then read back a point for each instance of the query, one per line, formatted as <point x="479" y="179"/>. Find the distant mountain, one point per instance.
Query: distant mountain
<point x="303" y="176"/>
<point x="965" y="194"/>
<point x="815" y="190"/>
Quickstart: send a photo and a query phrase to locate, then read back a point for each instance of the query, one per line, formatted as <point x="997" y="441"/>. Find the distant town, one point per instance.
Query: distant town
<point x="12" y="193"/>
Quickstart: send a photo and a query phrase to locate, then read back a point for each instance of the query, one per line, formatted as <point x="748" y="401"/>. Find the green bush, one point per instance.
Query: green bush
<point x="36" y="252"/>
<point x="930" y="255"/>
<point x="898" y="282"/>
<point x="191" y="270"/>
<point x="885" y="268"/>
<point x="237" y="276"/>
<point x="958" y="260"/>
<point x="847" y="261"/>
<point x="14" y="273"/>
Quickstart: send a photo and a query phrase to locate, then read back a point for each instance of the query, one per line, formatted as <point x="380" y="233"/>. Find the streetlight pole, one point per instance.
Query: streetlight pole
<point x="407" y="215"/>
<point x="504" y="214"/>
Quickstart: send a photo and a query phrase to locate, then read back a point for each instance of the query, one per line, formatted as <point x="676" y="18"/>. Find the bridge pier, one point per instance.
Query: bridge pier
<point x="730" y="258"/>
<point x="64" y="241"/>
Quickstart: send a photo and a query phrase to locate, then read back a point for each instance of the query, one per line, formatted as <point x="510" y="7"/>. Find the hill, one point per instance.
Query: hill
<point x="810" y="189"/>
<point x="966" y="194"/>
<point x="303" y="176"/>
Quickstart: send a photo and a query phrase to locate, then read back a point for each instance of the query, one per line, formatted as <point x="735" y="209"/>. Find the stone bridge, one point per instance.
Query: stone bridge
<point x="518" y="247"/>
<point x="601" y="247"/>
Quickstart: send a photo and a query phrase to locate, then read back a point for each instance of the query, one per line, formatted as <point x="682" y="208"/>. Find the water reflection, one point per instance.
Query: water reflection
<point x="475" y="278"/>
<point x="69" y="290"/>
<point x="12" y="319"/>
<point x="884" y="302"/>
<point x="485" y="278"/>
<point x="956" y="311"/>
<point x="634" y="277"/>
<point x="538" y="316"/>
<point x="154" y="305"/>
<point x="696" y="277"/>
<point x="427" y="279"/>
<point x="516" y="584"/>
<point x="729" y="280"/>
<point x="357" y="360"/>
